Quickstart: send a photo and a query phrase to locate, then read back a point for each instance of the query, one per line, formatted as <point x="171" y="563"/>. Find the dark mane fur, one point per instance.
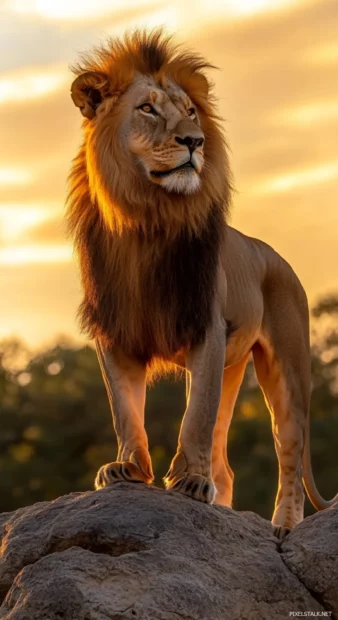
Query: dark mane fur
<point x="176" y="287"/>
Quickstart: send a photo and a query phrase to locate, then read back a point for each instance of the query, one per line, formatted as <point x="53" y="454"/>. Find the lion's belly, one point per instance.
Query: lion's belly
<point x="239" y="345"/>
<point x="243" y="312"/>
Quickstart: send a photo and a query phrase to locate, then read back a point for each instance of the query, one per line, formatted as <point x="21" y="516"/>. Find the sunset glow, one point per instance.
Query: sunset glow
<point x="309" y="177"/>
<point x="16" y="219"/>
<point x="320" y="112"/>
<point x="86" y="9"/>
<point x="278" y="93"/>
<point x="247" y="7"/>
<point x="27" y="254"/>
<point x="65" y="10"/>
<point x="15" y="176"/>
<point x="324" y="54"/>
<point x="22" y="86"/>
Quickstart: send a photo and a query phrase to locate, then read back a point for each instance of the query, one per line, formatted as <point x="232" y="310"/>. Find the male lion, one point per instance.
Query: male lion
<point x="167" y="282"/>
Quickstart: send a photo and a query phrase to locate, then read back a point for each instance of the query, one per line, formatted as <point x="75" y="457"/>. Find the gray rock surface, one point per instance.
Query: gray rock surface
<point x="311" y="552"/>
<point x="138" y="553"/>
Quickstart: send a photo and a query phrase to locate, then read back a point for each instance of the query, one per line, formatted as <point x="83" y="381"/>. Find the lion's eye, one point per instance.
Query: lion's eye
<point x="147" y="108"/>
<point x="192" y="112"/>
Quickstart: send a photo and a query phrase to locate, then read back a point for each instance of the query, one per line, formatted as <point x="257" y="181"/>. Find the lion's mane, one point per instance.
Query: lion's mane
<point x="148" y="258"/>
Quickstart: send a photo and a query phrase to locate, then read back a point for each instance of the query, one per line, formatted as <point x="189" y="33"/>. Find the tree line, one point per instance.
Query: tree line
<point x="56" y="427"/>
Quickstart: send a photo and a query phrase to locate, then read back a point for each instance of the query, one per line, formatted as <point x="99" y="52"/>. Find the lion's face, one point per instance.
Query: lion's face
<point x="153" y="155"/>
<point x="162" y="132"/>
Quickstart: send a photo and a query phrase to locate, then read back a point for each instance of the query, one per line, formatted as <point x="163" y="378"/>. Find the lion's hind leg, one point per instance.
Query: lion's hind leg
<point x="222" y="473"/>
<point x="282" y="364"/>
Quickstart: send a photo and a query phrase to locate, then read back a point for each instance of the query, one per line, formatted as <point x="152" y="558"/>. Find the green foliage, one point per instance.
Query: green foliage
<point x="56" y="427"/>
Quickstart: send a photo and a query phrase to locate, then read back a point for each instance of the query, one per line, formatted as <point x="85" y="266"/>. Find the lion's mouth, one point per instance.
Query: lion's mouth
<point x="188" y="165"/>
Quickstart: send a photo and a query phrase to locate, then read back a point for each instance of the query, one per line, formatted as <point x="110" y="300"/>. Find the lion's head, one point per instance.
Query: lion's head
<point x="151" y="134"/>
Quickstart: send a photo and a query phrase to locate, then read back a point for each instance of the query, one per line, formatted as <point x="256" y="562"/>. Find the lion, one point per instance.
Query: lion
<point x="168" y="283"/>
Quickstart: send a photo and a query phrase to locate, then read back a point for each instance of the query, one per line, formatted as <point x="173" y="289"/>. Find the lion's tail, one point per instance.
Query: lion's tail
<point x="308" y="480"/>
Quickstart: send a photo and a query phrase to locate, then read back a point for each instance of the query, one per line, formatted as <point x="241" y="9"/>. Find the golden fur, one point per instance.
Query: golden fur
<point x="166" y="281"/>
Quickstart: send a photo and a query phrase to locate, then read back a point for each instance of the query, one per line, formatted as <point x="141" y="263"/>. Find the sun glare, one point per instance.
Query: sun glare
<point x="15" y="176"/>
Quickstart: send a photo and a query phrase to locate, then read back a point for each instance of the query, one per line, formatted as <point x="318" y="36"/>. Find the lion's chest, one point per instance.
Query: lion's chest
<point x="152" y="298"/>
<point x="161" y="307"/>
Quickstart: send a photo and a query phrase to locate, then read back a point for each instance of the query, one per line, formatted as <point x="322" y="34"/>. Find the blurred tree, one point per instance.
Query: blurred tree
<point x="56" y="427"/>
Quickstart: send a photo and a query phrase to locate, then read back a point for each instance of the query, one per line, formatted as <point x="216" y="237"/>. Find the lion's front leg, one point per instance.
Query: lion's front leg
<point x="125" y="381"/>
<point x="190" y="470"/>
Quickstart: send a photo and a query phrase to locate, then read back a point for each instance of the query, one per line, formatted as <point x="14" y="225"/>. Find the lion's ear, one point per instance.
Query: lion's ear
<point x="89" y="90"/>
<point x="202" y="82"/>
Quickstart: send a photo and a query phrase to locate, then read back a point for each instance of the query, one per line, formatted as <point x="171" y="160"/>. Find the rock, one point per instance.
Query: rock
<point x="311" y="552"/>
<point x="139" y="553"/>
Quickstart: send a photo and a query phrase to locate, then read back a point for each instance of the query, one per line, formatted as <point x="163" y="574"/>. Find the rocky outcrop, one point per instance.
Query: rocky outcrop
<point x="138" y="553"/>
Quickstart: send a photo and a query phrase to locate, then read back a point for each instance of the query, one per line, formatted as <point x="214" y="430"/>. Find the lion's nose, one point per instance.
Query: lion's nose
<point x="189" y="141"/>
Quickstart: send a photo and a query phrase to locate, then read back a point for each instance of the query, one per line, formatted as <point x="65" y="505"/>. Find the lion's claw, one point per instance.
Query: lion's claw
<point x="281" y="532"/>
<point x="120" y="471"/>
<point x="192" y="485"/>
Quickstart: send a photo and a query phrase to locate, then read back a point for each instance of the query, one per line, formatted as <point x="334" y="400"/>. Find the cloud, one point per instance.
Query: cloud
<point x="64" y="10"/>
<point x="41" y="133"/>
<point x="15" y="176"/>
<point x="30" y="39"/>
<point x="322" y="54"/>
<point x="33" y="221"/>
<point x="50" y="186"/>
<point x="32" y="254"/>
<point x="303" y="178"/>
<point x="16" y="219"/>
<point x="23" y="85"/>
<point x="51" y="231"/>
<point x="319" y="112"/>
<point x="83" y="10"/>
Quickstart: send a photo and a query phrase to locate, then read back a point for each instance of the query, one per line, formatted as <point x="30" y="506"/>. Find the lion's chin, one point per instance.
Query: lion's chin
<point x="181" y="182"/>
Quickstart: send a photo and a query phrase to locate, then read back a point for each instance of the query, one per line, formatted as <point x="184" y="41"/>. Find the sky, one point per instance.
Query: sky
<point x="277" y="87"/>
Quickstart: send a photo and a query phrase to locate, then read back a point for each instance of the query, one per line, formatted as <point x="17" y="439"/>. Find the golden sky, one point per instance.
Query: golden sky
<point x="277" y="89"/>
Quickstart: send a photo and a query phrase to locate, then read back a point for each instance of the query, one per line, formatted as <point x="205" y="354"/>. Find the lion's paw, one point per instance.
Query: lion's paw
<point x="281" y="532"/>
<point x="118" y="472"/>
<point x="193" y="485"/>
